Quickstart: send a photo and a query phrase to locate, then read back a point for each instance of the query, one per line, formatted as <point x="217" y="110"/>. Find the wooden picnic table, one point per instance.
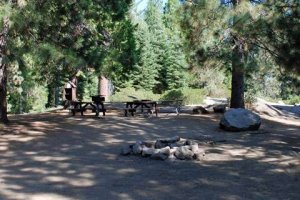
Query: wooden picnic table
<point x="143" y="105"/>
<point x="81" y="106"/>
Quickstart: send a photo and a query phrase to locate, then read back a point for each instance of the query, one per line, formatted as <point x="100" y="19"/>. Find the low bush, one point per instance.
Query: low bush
<point x="130" y="94"/>
<point x="293" y="99"/>
<point x="188" y="95"/>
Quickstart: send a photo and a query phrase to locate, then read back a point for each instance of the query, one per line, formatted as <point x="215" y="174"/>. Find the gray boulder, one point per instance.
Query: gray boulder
<point x="240" y="120"/>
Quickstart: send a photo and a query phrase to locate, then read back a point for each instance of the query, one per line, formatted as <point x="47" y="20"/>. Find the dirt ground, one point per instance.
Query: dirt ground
<point x="56" y="156"/>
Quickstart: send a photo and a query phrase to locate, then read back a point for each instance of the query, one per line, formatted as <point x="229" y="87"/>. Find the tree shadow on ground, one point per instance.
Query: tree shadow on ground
<point x="55" y="156"/>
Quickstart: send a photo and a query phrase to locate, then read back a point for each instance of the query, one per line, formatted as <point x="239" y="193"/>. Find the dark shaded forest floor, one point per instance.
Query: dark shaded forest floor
<point x="61" y="157"/>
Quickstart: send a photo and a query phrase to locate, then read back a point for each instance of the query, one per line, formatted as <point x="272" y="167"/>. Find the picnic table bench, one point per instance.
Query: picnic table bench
<point x="151" y="107"/>
<point x="96" y="105"/>
<point x="169" y="106"/>
<point x="147" y="106"/>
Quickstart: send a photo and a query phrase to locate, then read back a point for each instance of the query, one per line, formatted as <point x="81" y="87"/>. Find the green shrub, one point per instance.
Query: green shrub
<point x="188" y="95"/>
<point x="130" y="94"/>
<point x="292" y="100"/>
<point x="31" y="99"/>
<point x="37" y="98"/>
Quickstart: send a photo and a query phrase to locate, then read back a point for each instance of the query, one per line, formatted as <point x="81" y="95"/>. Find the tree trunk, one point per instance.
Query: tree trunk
<point x="237" y="86"/>
<point x="3" y="72"/>
<point x="238" y="70"/>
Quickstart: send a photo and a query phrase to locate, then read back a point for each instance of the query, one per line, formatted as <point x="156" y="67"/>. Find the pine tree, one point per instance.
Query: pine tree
<point x="224" y="36"/>
<point x="154" y="20"/>
<point x="175" y="60"/>
<point x="145" y="71"/>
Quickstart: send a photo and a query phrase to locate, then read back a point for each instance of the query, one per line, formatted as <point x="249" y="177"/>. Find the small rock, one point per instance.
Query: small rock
<point x="173" y="150"/>
<point x="199" y="156"/>
<point x="220" y="109"/>
<point x="200" y="109"/>
<point x="126" y="150"/>
<point x="194" y="148"/>
<point x="171" y="157"/>
<point x="179" y="143"/>
<point x="166" y="151"/>
<point x="169" y="140"/>
<point x="137" y="148"/>
<point x="159" y="144"/>
<point x="184" y="153"/>
<point x="149" y="151"/>
<point x="149" y="144"/>
<point x="159" y="156"/>
<point x="190" y="142"/>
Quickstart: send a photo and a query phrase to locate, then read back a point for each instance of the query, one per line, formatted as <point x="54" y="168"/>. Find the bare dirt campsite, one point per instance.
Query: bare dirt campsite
<point x="62" y="157"/>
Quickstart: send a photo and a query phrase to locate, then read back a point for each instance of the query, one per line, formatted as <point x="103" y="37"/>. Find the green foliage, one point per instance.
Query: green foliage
<point x="188" y="95"/>
<point x="87" y="86"/>
<point x="218" y="86"/>
<point x="145" y="73"/>
<point x="51" y="40"/>
<point x="293" y="100"/>
<point x="130" y="94"/>
<point x="279" y="33"/>
<point x="32" y="98"/>
<point x="122" y="54"/>
<point x="175" y="59"/>
<point x="161" y="62"/>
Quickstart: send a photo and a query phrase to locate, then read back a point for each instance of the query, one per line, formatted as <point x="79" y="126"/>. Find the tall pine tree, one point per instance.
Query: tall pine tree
<point x="175" y="60"/>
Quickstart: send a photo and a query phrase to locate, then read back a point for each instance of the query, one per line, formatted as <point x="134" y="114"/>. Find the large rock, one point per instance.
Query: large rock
<point x="240" y="120"/>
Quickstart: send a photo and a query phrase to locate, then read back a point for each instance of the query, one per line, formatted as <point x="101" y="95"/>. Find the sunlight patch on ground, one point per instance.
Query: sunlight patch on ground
<point x="36" y="170"/>
<point x="206" y="181"/>
<point x="4" y="146"/>
<point x="123" y="196"/>
<point x="49" y="158"/>
<point x="48" y="196"/>
<point x="99" y="144"/>
<point x="288" y="121"/>
<point x="77" y="182"/>
<point x="247" y="152"/>
<point x="127" y="171"/>
<point x="110" y="156"/>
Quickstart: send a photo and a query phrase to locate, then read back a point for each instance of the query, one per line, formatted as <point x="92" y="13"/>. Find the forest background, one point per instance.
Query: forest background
<point x="164" y="50"/>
